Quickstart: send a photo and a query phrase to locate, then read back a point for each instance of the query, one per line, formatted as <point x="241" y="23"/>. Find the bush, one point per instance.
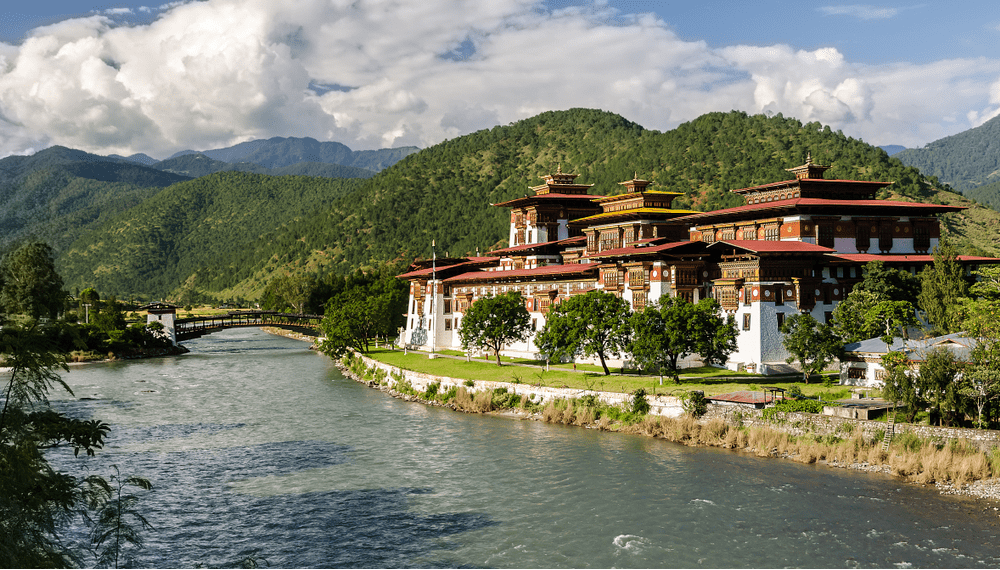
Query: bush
<point x="639" y="405"/>
<point x="808" y="406"/>
<point x="695" y="404"/>
<point x="432" y="390"/>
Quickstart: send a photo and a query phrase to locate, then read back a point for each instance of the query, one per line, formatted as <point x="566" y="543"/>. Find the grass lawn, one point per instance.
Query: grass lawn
<point x="711" y="380"/>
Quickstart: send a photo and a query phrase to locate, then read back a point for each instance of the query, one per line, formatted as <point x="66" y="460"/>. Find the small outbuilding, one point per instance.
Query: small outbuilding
<point x="861" y="364"/>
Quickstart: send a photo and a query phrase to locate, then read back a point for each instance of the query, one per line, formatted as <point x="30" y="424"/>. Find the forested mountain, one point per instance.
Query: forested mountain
<point x="212" y="231"/>
<point x="966" y="160"/>
<point x="444" y="193"/>
<point x="197" y="164"/>
<point x="57" y="193"/>
<point x="277" y="152"/>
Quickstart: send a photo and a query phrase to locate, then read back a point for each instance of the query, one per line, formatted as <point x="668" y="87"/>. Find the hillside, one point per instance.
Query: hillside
<point x="57" y="193"/>
<point x="443" y="193"/>
<point x="210" y="229"/>
<point x="966" y="160"/>
<point x="280" y="152"/>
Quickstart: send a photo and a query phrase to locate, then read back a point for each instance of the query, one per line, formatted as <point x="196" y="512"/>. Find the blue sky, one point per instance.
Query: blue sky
<point x="142" y="77"/>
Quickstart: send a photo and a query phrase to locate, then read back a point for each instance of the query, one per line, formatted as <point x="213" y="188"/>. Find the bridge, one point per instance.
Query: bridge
<point x="194" y="327"/>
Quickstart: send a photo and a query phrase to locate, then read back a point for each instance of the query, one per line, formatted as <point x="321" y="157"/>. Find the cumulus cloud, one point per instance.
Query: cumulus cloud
<point x="374" y="73"/>
<point x="862" y="11"/>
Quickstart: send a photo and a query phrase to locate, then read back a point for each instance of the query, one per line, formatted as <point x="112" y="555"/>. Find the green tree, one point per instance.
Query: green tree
<point x="592" y="324"/>
<point x="942" y="286"/>
<point x="119" y="523"/>
<point x="495" y="322"/>
<point x="718" y="333"/>
<point x="814" y="344"/>
<point x="31" y="284"/>
<point x="980" y="383"/>
<point x="980" y="380"/>
<point x="891" y="319"/>
<point x="361" y="313"/>
<point x="889" y="284"/>
<point x="846" y="321"/>
<point x="899" y="386"/>
<point x="37" y="502"/>
<point x="666" y="331"/>
<point x="937" y="384"/>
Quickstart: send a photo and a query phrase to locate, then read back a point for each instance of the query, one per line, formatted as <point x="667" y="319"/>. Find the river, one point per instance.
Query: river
<point x="258" y="447"/>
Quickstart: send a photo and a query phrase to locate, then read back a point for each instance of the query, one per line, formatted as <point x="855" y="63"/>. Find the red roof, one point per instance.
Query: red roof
<point x="743" y="397"/>
<point x="429" y="270"/>
<point x="769" y="246"/>
<point x="798" y="182"/>
<point x="529" y="246"/>
<point x="890" y="258"/>
<point x="549" y="196"/>
<point x="641" y="249"/>
<point x="790" y="204"/>
<point x="544" y="271"/>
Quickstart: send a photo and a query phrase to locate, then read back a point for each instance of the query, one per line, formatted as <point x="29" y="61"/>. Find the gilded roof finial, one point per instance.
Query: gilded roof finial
<point x="809" y="157"/>
<point x="559" y="169"/>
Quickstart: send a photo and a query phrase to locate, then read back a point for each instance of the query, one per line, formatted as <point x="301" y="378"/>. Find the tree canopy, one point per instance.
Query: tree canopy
<point x="593" y="324"/>
<point x="666" y="331"/>
<point x="31" y="284"/>
<point x="942" y="287"/>
<point x="492" y="323"/>
<point x="812" y="343"/>
<point x="361" y="313"/>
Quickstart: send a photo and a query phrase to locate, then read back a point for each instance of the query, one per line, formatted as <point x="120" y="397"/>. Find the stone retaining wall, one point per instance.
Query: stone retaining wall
<point x="667" y="406"/>
<point x="795" y="423"/>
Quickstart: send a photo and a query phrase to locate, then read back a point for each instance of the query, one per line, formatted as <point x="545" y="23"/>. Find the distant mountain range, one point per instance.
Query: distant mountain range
<point x="58" y="193"/>
<point x="277" y="152"/>
<point x="968" y="161"/>
<point x="892" y="149"/>
<point x="197" y="225"/>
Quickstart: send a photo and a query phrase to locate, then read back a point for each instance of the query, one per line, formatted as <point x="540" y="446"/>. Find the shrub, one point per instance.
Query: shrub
<point x="639" y="404"/>
<point x="808" y="406"/>
<point x="432" y="390"/>
<point x="795" y="392"/>
<point x="470" y="383"/>
<point x="695" y="404"/>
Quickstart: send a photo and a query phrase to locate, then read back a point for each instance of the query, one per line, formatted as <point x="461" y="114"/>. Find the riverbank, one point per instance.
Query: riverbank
<point x="81" y="357"/>
<point x="289" y="334"/>
<point x="955" y="467"/>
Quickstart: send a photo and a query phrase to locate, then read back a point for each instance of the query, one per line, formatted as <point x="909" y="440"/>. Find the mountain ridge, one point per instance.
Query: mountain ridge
<point x="443" y="194"/>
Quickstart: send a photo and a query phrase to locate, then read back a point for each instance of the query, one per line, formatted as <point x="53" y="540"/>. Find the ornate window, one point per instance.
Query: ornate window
<point x="746" y="321"/>
<point x="824" y="235"/>
<point x="629" y="235"/>
<point x="862" y="238"/>
<point x="921" y="238"/>
<point x="638" y="300"/>
<point x="885" y="237"/>
<point x="749" y="233"/>
<point x="772" y="233"/>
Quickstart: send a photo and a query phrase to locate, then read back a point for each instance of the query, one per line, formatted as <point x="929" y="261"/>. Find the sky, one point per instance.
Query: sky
<point x="129" y="77"/>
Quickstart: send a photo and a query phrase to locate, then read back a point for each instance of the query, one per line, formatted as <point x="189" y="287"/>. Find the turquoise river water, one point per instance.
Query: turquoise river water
<point x="257" y="446"/>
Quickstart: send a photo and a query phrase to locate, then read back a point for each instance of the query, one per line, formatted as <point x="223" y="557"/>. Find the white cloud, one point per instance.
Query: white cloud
<point x="862" y="11"/>
<point x="209" y="74"/>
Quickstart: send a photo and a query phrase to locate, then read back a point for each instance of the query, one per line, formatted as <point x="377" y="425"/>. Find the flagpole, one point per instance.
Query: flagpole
<point x="434" y="320"/>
